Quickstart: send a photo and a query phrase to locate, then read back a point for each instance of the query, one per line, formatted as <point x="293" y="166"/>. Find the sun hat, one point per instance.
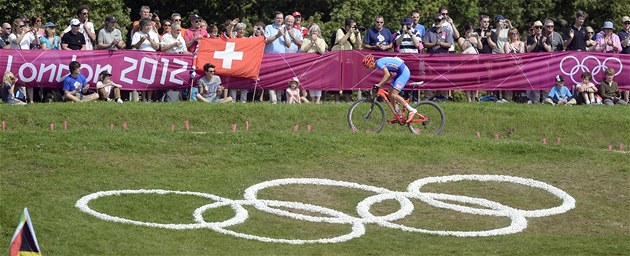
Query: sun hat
<point x="538" y="24"/>
<point x="296" y="13"/>
<point x="608" y="25"/>
<point x="499" y="18"/>
<point x="50" y="24"/>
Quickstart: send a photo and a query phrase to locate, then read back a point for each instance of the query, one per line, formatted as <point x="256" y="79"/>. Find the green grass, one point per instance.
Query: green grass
<point x="48" y="171"/>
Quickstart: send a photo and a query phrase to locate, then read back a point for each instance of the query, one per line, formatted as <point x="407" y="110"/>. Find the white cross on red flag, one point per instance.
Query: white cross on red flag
<point x="237" y="57"/>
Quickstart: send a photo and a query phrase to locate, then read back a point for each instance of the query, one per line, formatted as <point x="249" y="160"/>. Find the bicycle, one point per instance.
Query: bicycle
<point x="368" y="114"/>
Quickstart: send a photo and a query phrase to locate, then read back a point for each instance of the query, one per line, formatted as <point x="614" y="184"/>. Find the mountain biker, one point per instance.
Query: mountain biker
<point x="396" y="65"/>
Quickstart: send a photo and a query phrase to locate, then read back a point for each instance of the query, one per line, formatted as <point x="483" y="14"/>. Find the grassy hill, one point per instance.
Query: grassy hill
<point x="49" y="171"/>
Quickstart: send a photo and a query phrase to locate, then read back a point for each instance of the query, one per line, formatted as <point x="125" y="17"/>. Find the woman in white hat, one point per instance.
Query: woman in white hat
<point x="610" y="41"/>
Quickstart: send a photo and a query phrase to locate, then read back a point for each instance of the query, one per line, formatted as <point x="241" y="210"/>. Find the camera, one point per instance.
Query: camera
<point x="360" y="29"/>
<point x="474" y="33"/>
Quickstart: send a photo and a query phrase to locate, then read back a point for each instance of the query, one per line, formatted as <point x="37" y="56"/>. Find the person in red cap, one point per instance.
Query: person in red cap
<point x="298" y="23"/>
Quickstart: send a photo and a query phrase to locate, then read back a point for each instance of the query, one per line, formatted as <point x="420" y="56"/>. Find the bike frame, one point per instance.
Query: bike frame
<point x="381" y="93"/>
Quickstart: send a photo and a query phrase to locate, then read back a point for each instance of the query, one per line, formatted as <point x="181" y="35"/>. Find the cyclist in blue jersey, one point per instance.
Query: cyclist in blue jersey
<point x="389" y="65"/>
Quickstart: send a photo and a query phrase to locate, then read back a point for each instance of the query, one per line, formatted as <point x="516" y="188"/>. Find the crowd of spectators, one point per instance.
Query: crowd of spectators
<point x="287" y="34"/>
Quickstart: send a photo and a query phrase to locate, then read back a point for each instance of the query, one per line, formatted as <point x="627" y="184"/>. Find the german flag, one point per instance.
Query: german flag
<point x="24" y="242"/>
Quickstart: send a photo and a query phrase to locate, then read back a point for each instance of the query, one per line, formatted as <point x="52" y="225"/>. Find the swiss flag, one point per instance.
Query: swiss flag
<point x="237" y="57"/>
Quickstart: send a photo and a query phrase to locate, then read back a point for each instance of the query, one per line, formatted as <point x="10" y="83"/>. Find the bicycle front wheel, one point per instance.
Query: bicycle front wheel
<point x="366" y="115"/>
<point x="429" y="120"/>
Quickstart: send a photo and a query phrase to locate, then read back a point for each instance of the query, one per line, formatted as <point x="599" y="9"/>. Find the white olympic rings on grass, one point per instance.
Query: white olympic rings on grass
<point x="489" y="208"/>
<point x="580" y="66"/>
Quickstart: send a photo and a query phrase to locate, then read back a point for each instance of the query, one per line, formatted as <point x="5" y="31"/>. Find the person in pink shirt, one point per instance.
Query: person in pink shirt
<point x="194" y="33"/>
<point x="610" y="41"/>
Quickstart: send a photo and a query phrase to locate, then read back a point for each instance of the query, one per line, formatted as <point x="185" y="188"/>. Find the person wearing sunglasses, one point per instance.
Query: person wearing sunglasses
<point x="624" y="35"/>
<point x="86" y="27"/>
<point x="379" y="38"/>
<point x="552" y="41"/>
<point x="590" y="39"/>
<point x="5" y="31"/>
<point x="535" y="43"/>
<point x="194" y="33"/>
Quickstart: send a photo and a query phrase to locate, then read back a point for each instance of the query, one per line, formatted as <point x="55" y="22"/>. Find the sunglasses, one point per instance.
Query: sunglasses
<point x="38" y="20"/>
<point x="590" y="33"/>
<point x="627" y="22"/>
<point x="8" y="28"/>
<point x="178" y="20"/>
<point x="514" y="34"/>
<point x="85" y="13"/>
<point x="549" y="26"/>
<point x="197" y="21"/>
<point x="21" y="26"/>
<point x="379" y="22"/>
<point x="444" y="14"/>
<point x="167" y="25"/>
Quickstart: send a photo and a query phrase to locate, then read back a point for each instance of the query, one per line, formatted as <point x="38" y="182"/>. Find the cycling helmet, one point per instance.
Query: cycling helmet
<point x="368" y="61"/>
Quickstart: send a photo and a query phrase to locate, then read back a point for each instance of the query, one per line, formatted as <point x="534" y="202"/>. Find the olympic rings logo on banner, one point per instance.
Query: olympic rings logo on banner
<point x="580" y="66"/>
<point x="486" y="207"/>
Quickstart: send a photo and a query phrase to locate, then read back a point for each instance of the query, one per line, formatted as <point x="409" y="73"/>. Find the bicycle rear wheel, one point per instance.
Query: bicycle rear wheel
<point x="435" y="116"/>
<point x="366" y="115"/>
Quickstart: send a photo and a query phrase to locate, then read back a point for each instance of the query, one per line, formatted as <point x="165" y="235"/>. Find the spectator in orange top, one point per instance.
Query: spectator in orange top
<point x="145" y="13"/>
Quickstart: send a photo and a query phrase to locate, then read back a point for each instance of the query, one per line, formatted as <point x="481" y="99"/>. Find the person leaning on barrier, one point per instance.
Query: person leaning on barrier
<point x="73" y="40"/>
<point x="610" y="42"/>
<point x="346" y="39"/>
<point x="86" y="27"/>
<point x="109" y="37"/>
<point x="379" y="38"/>
<point x="50" y="40"/>
<point x="575" y="36"/>
<point x="552" y="40"/>
<point x="314" y="43"/>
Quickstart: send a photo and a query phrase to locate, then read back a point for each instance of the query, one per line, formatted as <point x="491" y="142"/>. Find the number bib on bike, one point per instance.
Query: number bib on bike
<point x="396" y="65"/>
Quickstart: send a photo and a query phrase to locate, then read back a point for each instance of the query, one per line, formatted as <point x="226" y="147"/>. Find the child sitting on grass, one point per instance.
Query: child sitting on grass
<point x="293" y="92"/>
<point x="610" y="90"/>
<point x="106" y="87"/>
<point x="559" y="94"/>
<point x="8" y="86"/>
<point x="587" y="89"/>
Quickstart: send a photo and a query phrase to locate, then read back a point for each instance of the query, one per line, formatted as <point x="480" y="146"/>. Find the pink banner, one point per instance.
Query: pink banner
<point x="134" y="70"/>
<point x="491" y="71"/>
<point x="342" y="70"/>
<point x="330" y="71"/>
